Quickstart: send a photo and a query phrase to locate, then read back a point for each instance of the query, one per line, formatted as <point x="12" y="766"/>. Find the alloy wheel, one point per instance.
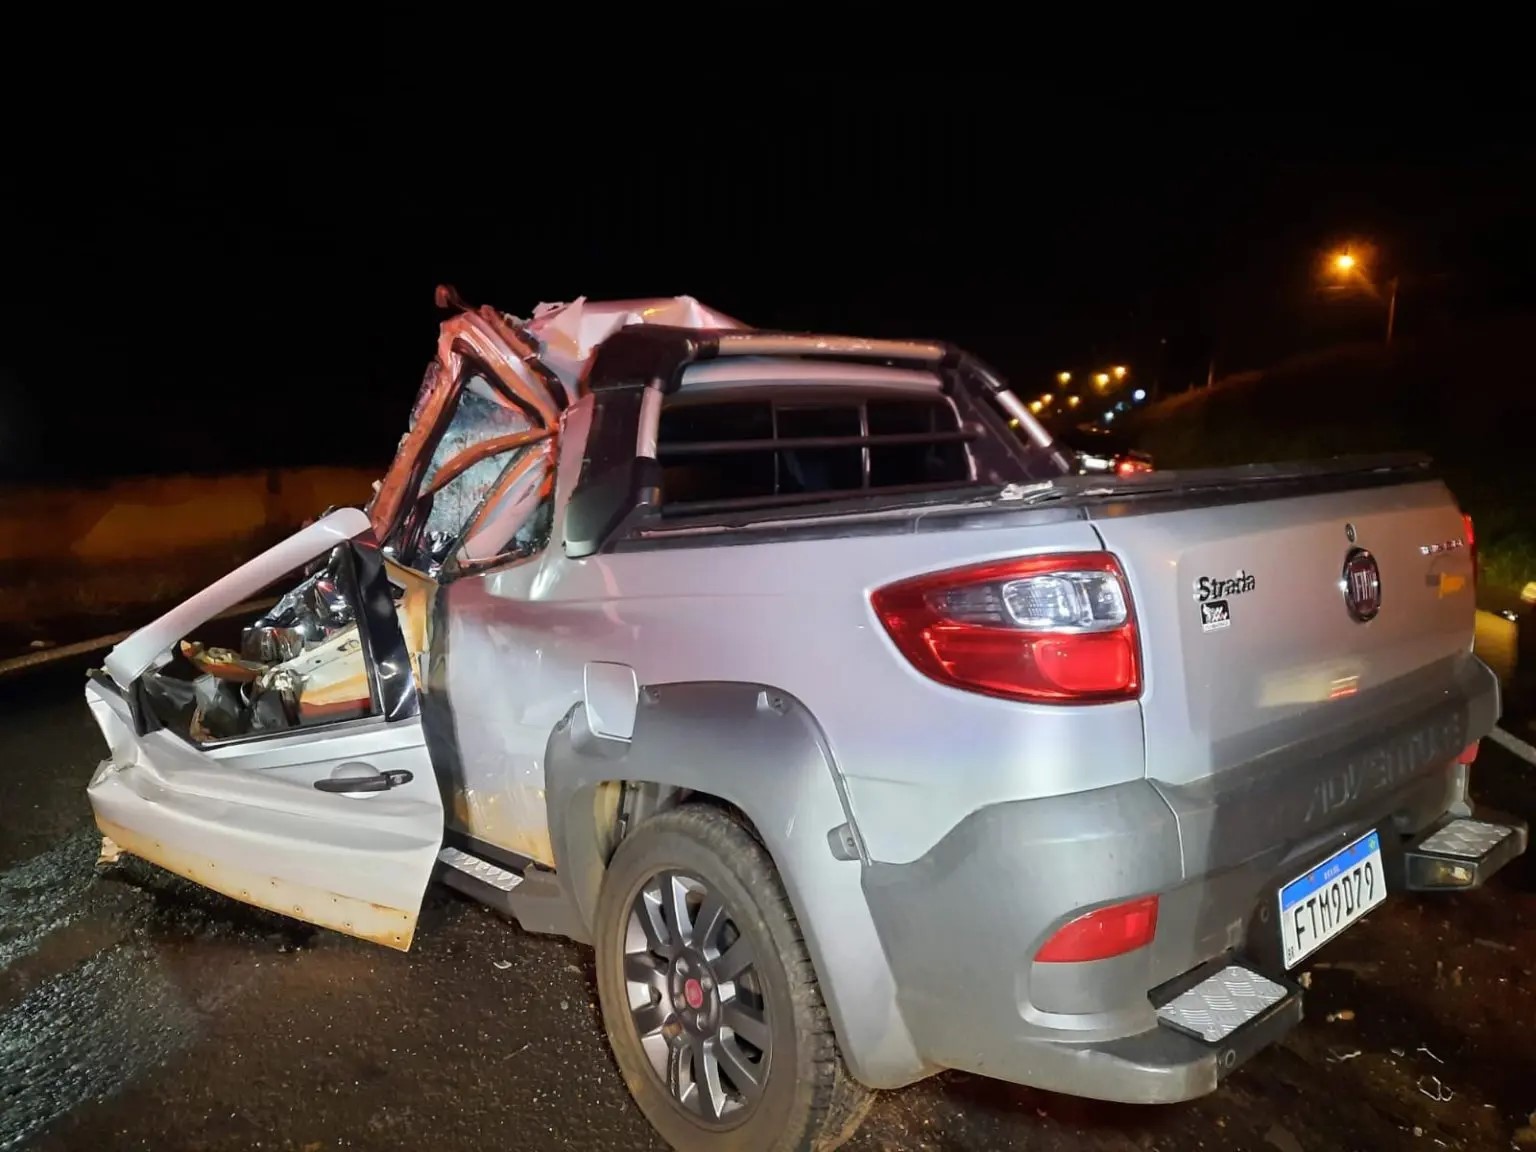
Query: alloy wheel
<point x="695" y="998"/>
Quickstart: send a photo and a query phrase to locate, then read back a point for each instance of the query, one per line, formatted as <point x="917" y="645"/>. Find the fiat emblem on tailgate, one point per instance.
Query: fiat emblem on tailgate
<point x="1362" y="585"/>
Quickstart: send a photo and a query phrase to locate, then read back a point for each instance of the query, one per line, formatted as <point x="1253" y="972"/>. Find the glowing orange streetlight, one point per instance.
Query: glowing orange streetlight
<point x="1346" y="265"/>
<point x="1119" y="370"/>
<point x="1063" y="378"/>
<point x="1102" y="379"/>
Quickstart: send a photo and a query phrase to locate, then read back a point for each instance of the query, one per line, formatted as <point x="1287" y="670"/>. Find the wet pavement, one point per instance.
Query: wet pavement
<point x="139" y="1012"/>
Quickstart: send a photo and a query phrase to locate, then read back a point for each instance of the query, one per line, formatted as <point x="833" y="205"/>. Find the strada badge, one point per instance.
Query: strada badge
<point x="1220" y="587"/>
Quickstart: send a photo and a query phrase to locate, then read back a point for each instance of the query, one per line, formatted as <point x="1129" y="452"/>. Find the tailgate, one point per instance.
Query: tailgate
<point x="1249" y="643"/>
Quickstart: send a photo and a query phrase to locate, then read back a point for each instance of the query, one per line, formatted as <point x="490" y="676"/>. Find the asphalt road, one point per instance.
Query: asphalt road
<point x="137" y="1011"/>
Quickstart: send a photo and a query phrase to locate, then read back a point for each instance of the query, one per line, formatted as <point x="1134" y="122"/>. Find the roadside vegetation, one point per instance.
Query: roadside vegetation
<point x="1467" y="399"/>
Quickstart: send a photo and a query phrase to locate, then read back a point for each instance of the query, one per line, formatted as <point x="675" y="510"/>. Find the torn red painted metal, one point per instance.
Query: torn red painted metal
<point x="478" y="453"/>
<point x="489" y="339"/>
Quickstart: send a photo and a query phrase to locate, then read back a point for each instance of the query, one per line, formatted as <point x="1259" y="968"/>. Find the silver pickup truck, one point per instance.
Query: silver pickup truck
<point x="797" y="676"/>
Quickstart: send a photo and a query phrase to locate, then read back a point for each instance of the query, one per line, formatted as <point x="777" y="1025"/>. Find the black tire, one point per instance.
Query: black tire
<point x="807" y="1100"/>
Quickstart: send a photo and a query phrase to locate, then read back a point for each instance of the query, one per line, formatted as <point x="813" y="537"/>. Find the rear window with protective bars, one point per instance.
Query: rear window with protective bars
<point x="763" y="452"/>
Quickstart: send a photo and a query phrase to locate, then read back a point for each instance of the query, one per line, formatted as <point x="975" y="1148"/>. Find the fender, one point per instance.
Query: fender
<point x="761" y="750"/>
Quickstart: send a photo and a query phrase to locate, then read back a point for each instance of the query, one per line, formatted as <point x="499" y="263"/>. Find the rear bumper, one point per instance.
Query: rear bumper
<point x="960" y="928"/>
<point x="961" y="925"/>
<point x="1162" y="1066"/>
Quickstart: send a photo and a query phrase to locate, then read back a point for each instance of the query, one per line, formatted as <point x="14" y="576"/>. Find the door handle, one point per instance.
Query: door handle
<point x="378" y="782"/>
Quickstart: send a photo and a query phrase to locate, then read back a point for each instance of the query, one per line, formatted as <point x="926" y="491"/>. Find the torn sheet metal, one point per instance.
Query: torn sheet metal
<point x="526" y="399"/>
<point x="414" y="612"/>
<point x="334" y="679"/>
<point x="307" y="615"/>
<point x="507" y="520"/>
<point x="221" y="663"/>
<point x="568" y="334"/>
<point x="153" y="643"/>
<point x="302" y="663"/>
<point x="474" y="469"/>
<point x="538" y="366"/>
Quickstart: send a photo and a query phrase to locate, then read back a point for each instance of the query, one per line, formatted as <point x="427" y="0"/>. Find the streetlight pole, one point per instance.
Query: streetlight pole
<point x="1346" y="267"/>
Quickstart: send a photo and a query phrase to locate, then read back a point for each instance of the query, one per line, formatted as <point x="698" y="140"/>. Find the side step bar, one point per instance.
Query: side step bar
<point x="531" y="895"/>
<point x="501" y="879"/>
<point x="1461" y="854"/>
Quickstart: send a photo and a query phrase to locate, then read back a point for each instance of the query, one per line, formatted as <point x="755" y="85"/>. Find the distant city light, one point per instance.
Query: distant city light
<point x="1108" y="416"/>
<point x="1072" y="401"/>
<point x="1119" y="370"/>
<point x="1101" y="379"/>
<point x="1063" y="377"/>
<point x="1139" y="395"/>
<point x="1047" y="398"/>
<point x="1035" y="405"/>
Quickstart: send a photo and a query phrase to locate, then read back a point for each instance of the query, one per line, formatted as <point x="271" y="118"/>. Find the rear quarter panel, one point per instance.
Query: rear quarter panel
<point x="916" y="757"/>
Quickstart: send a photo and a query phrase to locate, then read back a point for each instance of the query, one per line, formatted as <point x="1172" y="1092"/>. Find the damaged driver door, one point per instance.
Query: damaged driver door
<point x="319" y="803"/>
<point x="294" y="774"/>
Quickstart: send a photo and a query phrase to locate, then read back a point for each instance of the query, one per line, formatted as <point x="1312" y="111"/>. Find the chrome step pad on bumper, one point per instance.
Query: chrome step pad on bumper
<point x="1222" y="1003"/>
<point x="1463" y="853"/>
<point x="1227" y="1009"/>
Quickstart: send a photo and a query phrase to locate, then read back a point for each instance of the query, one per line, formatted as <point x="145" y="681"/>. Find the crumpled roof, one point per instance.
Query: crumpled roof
<point x="568" y="334"/>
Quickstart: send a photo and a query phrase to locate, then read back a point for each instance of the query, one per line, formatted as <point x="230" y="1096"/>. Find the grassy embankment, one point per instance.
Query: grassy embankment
<point x="1462" y="398"/>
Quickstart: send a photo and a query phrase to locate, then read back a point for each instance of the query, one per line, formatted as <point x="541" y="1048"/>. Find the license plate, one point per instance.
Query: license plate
<point x="1316" y="907"/>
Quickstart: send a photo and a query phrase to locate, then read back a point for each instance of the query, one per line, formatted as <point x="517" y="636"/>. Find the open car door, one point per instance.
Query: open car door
<point x="325" y="814"/>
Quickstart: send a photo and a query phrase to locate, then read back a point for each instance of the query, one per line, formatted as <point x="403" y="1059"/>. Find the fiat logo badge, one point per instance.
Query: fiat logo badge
<point x="1361" y="585"/>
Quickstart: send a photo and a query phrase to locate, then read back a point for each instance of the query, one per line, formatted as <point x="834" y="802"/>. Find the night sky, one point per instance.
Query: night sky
<point x="181" y="299"/>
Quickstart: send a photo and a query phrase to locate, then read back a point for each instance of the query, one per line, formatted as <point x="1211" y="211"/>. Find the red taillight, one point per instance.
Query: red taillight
<point x="1111" y="931"/>
<point x="1466" y="523"/>
<point x="1047" y="629"/>
<point x="1130" y="467"/>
